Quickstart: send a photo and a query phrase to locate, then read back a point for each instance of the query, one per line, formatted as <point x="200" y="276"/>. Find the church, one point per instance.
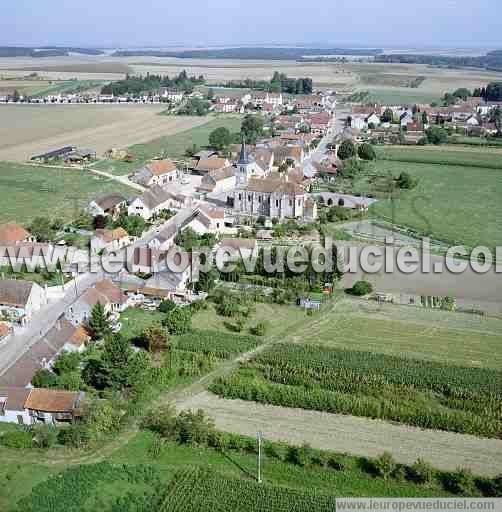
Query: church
<point x="271" y="195"/>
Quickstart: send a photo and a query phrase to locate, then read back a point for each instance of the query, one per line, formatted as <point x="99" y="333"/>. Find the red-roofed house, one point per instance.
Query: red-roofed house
<point x="12" y="233"/>
<point x="106" y="293"/>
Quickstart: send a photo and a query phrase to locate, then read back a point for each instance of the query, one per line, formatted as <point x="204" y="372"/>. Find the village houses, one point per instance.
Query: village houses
<point x="158" y="172"/>
<point x="19" y="299"/>
<point x="104" y="292"/>
<point x="107" y="205"/>
<point x="110" y="240"/>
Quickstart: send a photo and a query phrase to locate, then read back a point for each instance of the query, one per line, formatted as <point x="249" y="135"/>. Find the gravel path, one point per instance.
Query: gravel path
<point x="353" y="435"/>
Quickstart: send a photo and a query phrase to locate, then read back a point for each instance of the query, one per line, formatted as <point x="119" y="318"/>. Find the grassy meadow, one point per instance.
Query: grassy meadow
<point x="173" y="146"/>
<point x="457" y="198"/>
<point x="389" y="95"/>
<point x="31" y="191"/>
<point x="35" y="482"/>
<point x="455" y="338"/>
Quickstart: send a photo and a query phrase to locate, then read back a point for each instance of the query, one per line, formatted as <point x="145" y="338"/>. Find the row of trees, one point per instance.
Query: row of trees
<point x="348" y="149"/>
<point x="279" y="82"/>
<point x="136" y="85"/>
<point x="492" y="92"/>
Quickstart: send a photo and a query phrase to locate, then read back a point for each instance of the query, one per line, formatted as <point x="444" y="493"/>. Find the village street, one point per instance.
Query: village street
<point x="44" y="319"/>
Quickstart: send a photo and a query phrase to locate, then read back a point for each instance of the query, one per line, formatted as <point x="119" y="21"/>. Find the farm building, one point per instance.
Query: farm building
<point x="67" y="154"/>
<point x="26" y="406"/>
<point x="56" y="154"/>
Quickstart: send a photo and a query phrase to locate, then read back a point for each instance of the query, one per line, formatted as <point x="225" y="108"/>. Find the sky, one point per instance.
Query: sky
<point x="158" y="23"/>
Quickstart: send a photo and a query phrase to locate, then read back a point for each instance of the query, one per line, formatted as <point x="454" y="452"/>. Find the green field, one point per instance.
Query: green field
<point x="458" y="204"/>
<point x="31" y="191"/>
<point x="456" y="338"/>
<point x="345" y="323"/>
<point x="400" y="95"/>
<point x="434" y="335"/>
<point x="490" y="158"/>
<point x="133" y="475"/>
<point x="67" y="87"/>
<point x="172" y="146"/>
<point x="456" y="353"/>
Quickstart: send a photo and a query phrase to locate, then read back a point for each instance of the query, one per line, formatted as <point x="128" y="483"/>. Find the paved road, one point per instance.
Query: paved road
<point x="350" y="434"/>
<point x="41" y="322"/>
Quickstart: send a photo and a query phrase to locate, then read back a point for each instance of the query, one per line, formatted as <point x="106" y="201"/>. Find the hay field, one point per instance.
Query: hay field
<point x="26" y="130"/>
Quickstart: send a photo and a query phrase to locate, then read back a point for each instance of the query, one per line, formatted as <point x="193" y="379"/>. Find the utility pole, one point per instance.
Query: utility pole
<point x="259" y="436"/>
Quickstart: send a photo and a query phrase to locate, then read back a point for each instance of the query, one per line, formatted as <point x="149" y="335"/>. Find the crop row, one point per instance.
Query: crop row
<point x="304" y="364"/>
<point x="219" y="344"/>
<point x="199" y="491"/>
<point x="419" y="412"/>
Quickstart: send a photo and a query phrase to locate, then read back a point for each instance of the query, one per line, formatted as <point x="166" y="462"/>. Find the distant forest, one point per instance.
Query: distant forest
<point x="46" y="51"/>
<point x="249" y="53"/>
<point x="490" y="61"/>
<point x="136" y="85"/>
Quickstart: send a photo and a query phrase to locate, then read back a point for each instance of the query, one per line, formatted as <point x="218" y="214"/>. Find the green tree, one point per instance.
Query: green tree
<point x="44" y="379"/>
<point x="462" y="93"/>
<point x="207" y="281"/>
<point x="116" y="358"/>
<point x="194" y="107"/>
<point x="103" y="418"/>
<point x="405" y="180"/>
<point x="133" y="224"/>
<point x="192" y="150"/>
<point x="220" y="138"/>
<point x="252" y="128"/>
<point x="346" y="150"/>
<point x="384" y="465"/>
<point x="41" y="229"/>
<point x="387" y="116"/>
<point x="421" y="472"/>
<point x="496" y="118"/>
<point x="436" y="135"/>
<point x="99" y="322"/>
<point x="166" y="305"/>
<point x="366" y="152"/>
<point x="360" y="288"/>
<point x="178" y="320"/>
<point x="83" y="220"/>
<point x="67" y="362"/>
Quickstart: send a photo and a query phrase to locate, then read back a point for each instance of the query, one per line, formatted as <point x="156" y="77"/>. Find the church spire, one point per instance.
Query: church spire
<point x="243" y="158"/>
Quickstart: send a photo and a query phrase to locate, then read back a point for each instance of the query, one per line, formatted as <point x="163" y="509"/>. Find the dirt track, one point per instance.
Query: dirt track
<point x="353" y="435"/>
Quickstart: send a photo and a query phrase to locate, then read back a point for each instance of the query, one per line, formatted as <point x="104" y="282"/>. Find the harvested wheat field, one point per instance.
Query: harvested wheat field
<point x="349" y="434"/>
<point x="26" y="130"/>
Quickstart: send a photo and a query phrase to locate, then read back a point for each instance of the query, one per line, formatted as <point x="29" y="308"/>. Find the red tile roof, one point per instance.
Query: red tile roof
<point x="12" y="233"/>
<point x="49" y="400"/>
<point x="159" y="167"/>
